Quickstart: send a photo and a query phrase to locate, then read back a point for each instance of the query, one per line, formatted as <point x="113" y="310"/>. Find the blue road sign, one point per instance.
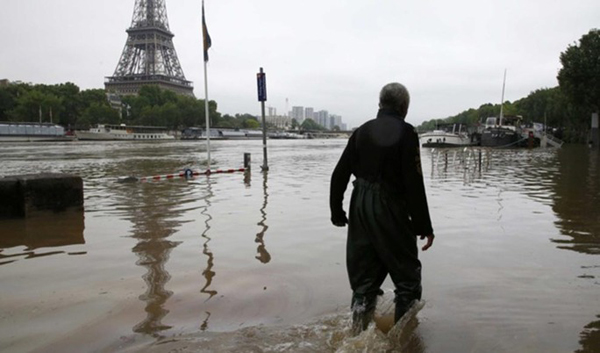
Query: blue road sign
<point x="262" y="86"/>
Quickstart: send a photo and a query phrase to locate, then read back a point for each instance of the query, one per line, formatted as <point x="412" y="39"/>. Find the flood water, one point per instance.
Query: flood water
<point x="251" y="263"/>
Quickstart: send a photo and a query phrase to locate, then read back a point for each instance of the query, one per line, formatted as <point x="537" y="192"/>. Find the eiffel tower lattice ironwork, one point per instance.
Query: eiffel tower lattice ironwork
<point x="149" y="57"/>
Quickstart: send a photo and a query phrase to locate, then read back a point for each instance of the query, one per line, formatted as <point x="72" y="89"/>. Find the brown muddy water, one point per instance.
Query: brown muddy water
<point x="230" y="263"/>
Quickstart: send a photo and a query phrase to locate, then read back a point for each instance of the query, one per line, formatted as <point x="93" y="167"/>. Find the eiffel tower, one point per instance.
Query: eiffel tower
<point x="149" y="57"/>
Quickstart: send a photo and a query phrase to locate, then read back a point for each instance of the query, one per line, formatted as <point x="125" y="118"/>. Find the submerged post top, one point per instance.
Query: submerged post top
<point x="20" y="195"/>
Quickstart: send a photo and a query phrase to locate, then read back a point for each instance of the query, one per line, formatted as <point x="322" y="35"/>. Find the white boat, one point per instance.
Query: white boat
<point x="107" y="132"/>
<point x="446" y="135"/>
<point x="32" y="132"/>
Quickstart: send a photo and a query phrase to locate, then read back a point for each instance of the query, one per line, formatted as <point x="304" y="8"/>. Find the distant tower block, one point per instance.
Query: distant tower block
<point x="149" y="57"/>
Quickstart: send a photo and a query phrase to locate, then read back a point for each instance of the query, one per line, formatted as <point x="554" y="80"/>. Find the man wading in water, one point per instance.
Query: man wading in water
<point x="388" y="208"/>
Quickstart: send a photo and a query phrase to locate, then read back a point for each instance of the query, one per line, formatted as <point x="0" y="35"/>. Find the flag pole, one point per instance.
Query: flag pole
<point x="502" y="100"/>
<point x="206" y="44"/>
<point x="206" y="113"/>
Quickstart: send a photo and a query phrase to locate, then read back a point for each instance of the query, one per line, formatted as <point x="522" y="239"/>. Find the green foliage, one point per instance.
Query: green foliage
<point x="98" y="113"/>
<point x="81" y="109"/>
<point x="37" y="105"/>
<point x="579" y="77"/>
<point x="251" y="124"/>
<point x="7" y="102"/>
<point x="238" y="121"/>
<point x="309" y="124"/>
<point x="295" y="124"/>
<point x="469" y="117"/>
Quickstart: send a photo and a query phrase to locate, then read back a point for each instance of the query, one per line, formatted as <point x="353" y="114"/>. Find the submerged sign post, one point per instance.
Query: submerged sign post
<point x="261" y="83"/>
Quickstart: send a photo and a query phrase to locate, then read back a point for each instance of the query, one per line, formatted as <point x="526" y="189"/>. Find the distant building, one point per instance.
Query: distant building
<point x="309" y="113"/>
<point x="271" y="111"/>
<point x="4" y="82"/>
<point x="334" y="120"/>
<point x="322" y="117"/>
<point x="280" y="122"/>
<point x="298" y="114"/>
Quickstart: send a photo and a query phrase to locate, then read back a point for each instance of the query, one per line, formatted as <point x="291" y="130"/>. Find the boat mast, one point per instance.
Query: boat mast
<point x="502" y="100"/>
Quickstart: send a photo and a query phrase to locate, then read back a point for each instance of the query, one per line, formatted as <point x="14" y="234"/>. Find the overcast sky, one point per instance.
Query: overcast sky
<point x="331" y="55"/>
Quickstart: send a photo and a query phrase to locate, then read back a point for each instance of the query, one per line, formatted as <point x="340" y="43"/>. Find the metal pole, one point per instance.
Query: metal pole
<point x="204" y="43"/>
<point x="263" y="98"/>
<point x="265" y="165"/>
<point x="502" y="100"/>
<point x="207" y="118"/>
<point x="247" y="160"/>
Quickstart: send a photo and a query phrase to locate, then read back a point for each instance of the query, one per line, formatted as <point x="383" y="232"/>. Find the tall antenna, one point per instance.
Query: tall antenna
<point x="502" y="100"/>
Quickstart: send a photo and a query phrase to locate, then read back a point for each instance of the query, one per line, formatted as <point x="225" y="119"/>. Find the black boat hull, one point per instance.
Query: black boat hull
<point x="500" y="138"/>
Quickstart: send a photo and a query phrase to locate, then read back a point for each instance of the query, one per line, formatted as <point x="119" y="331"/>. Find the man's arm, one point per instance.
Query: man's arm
<point x="339" y="183"/>
<point x="415" y="187"/>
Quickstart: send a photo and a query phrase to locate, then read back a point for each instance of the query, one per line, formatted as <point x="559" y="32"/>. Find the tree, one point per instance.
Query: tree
<point x="309" y="124"/>
<point x="36" y="105"/>
<point x="157" y="96"/>
<point x="295" y="124"/>
<point x="579" y="78"/>
<point x="89" y="96"/>
<point x="251" y="124"/>
<point x="190" y="110"/>
<point x="546" y="104"/>
<point x="71" y="103"/>
<point x="170" y="115"/>
<point x="7" y="103"/>
<point x="98" y="113"/>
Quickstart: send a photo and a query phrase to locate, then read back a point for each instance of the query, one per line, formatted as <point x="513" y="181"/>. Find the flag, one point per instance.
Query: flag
<point x="205" y="35"/>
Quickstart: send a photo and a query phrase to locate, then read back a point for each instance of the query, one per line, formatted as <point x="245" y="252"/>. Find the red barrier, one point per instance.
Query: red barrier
<point x="188" y="173"/>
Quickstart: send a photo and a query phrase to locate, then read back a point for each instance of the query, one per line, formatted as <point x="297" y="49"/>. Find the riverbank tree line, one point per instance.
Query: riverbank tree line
<point x="67" y="105"/>
<point x="566" y="107"/>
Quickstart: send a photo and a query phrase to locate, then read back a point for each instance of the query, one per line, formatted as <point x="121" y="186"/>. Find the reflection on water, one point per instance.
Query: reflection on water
<point x="263" y="255"/>
<point x="590" y="338"/>
<point x="469" y="164"/>
<point x="148" y="208"/>
<point x="498" y="278"/>
<point x="567" y="180"/>
<point x="577" y="200"/>
<point x="577" y="204"/>
<point x="208" y="273"/>
<point x="43" y="230"/>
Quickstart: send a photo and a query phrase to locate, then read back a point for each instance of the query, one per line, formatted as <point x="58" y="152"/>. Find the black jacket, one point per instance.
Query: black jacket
<point x="384" y="150"/>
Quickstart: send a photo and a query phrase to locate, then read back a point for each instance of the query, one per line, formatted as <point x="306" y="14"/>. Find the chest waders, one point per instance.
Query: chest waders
<point x="380" y="242"/>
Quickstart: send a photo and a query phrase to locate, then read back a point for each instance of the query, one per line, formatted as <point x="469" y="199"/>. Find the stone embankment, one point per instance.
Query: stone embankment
<point x="23" y="195"/>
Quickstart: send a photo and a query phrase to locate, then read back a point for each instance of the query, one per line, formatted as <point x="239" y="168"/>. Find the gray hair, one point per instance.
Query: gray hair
<point x="395" y="96"/>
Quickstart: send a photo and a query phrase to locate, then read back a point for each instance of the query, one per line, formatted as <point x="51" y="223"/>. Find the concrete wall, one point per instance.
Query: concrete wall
<point x="21" y="195"/>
